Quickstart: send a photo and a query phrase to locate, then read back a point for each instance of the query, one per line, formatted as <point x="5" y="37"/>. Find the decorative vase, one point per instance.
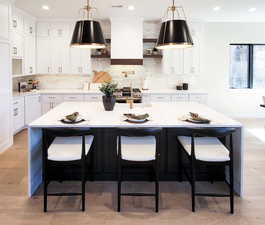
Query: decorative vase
<point x="108" y="102"/>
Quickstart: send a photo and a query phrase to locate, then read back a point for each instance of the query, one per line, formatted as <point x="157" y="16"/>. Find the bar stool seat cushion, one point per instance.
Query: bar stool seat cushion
<point x="209" y="149"/>
<point x="138" y="149"/>
<point x="68" y="148"/>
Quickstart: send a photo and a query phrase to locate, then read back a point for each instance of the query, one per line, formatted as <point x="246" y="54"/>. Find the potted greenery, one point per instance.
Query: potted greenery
<point x="108" y="98"/>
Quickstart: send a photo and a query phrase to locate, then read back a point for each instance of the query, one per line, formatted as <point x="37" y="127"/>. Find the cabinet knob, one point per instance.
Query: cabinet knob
<point x="15" y="50"/>
<point x="31" y="30"/>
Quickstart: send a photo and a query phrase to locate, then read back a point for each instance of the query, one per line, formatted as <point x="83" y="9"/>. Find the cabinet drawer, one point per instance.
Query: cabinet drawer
<point x="180" y="98"/>
<point x="93" y="98"/>
<point x="18" y="114"/>
<point x="161" y="98"/>
<point x="200" y="98"/>
<point x="52" y="98"/>
<point x="73" y="98"/>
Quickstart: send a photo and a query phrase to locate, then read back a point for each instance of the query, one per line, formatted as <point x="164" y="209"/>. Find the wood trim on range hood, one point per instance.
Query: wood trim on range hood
<point x="127" y="62"/>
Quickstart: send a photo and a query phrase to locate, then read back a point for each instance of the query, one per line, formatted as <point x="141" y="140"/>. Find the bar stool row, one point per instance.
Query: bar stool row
<point x="69" y="147"/>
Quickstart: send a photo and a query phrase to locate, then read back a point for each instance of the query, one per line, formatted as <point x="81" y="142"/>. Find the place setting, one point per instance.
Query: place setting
<point x="195" y="118"/>
<point x="74" y="118"/>
<point x="136" y="118"/>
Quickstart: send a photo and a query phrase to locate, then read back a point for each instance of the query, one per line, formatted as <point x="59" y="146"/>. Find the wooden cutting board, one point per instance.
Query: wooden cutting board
<point x="101" y="77"/>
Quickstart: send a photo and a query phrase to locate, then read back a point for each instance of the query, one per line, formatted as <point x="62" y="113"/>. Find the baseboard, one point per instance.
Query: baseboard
<point x="4" y="146"/>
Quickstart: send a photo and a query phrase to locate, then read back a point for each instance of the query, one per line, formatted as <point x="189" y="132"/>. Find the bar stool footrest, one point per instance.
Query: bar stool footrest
<point x="137" y="194"/>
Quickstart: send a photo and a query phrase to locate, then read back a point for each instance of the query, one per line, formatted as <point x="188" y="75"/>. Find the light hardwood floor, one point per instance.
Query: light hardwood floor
<point x="175" y="207"/>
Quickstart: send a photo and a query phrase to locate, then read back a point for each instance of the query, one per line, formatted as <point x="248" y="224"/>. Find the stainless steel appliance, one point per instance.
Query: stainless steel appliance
<point x="123" y="94"/>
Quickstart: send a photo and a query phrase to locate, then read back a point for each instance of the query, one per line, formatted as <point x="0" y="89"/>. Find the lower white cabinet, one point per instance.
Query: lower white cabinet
<point x="48" y="102"/>
<point x="200" y="98"/>
<point x="93" y="97"/>
<point x="180" y="98"/>
<point x="160" y="98"/>
<point x="32" y="108"/>
<point x="18" y="114"/>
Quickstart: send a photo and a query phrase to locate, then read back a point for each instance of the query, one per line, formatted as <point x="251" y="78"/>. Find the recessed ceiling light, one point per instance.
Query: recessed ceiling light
<point x="216" y="8"/>
<point x="131" y="7"/>
<point x="45" y="7"/>
<point x="252" y="9"/>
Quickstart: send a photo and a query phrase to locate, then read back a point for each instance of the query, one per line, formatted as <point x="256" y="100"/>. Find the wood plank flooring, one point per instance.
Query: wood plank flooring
<point x="175" y="206"/>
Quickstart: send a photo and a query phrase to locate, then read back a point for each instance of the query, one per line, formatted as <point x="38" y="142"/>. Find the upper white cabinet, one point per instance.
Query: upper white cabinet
<point x="4" y="20"/>
<point x="17" y="21"/>
<point x="29" y="26"/>
<point x="17" y="45"/>
<point x="30" y="55"/>
<point x="80" y="61"/>
<point x="53" y="48"/>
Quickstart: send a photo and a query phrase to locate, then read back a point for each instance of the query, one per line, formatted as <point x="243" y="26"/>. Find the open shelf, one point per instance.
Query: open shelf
<point x="153" y="56"/>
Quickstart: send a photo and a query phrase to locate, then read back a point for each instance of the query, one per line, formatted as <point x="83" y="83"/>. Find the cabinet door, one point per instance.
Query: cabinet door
<point x="180" y="98"/>
<point x="73" y="98"/>
<point x="60" y="30"/>
<point x="199" y="98"/>
<point x="173" y="61"/>
<point x="18" y="114"/>
<point x="86" y="61"/>
<point x="93" y="98"/>
<point x="43" y="29"/>
<point x="17" y="22"/>
<point x="192" y="59"/>
<point x="160" y="98"/>
<point x="30" y="49"/>
<point x="45" y="107"/>
<point x="17" y="45"/>
<point x="75" y="60"/>
<point x="60" y="56"/>
<point x="4" y="20"/>
<point x="29" y="26"/>
<point x="44" y="56"/>
<point x="32" y="108"/>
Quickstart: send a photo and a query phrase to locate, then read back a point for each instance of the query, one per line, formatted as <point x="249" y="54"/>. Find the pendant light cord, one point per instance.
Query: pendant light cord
<point x="173" y="10"/>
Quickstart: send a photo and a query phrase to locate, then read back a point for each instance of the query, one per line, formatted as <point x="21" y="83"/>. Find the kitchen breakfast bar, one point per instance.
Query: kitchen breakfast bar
<point x="163" y="115"/>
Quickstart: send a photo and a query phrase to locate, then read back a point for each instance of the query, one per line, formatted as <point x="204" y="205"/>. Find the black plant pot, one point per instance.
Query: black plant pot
<point x="108" y="102"/>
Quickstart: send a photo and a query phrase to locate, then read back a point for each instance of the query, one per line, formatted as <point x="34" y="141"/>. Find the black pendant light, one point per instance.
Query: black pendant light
<point x="174" y="31"/>
<point x="88" y="33"/>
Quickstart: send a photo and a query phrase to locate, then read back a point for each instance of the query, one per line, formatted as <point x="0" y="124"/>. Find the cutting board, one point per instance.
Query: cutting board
<point x="101" y="77"/>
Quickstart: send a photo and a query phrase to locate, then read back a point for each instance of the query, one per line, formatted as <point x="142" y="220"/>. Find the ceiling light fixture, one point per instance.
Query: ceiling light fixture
<point x="217" y="8"/>
<point x="45" y="7"/>
<point x="252" y="9"/>
<point x="88" y="33"/>
<point x="174" y="32"/>
<point x="131" y="7"/>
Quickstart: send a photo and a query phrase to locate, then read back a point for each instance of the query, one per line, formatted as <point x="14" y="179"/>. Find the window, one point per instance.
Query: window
<point x="247" y="69"/>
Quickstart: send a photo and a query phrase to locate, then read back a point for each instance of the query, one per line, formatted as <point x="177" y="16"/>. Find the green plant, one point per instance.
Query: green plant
<point x="108" y="88"/>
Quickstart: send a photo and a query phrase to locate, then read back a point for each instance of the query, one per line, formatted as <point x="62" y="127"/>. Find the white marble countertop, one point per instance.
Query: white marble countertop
<point x="161" y="115"/>
<point x="81" y="91"/>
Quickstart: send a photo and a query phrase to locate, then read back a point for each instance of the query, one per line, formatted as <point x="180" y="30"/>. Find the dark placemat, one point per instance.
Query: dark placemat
<point x="139" y="122"/>
<point x="68" y="122"/>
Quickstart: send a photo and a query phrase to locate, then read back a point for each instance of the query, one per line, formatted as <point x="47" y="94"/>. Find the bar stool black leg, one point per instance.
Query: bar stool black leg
<point x="45" y="195"/>
<point x="231" y="188"/>
<point x="193" y="185"/>
<point x="180" y="166"/>
<point x="157" y="185"/>
<point x="83" y="185"/>
<point x="119" y="185"/>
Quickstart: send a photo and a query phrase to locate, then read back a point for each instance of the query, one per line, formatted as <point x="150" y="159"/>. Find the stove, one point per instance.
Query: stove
<point x="123" y="94"/>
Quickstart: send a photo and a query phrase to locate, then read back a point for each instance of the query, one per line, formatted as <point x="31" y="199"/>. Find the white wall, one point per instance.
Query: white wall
<point x="215" y="63"/>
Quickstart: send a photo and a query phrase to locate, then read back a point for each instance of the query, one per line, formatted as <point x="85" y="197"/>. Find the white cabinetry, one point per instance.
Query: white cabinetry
<point x="4" y="20"/>
<point x="18" y="114"/>
<point x="32" y="108"/>
<point x="48" y="102"/>
<point x="200" y="98"/>
<point x="80" y="61"/>
<point x="93" y="97"/>
<point x="53" y="48"/>
<point x="160" y="98"/>
<point x="180" y="98"/>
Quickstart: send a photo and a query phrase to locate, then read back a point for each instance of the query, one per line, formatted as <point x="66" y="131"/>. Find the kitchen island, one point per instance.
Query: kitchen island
<point x="164" y="115"/>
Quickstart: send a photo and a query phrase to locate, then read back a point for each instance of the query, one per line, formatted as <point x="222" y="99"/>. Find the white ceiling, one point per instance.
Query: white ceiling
<point x="231" y="10"/>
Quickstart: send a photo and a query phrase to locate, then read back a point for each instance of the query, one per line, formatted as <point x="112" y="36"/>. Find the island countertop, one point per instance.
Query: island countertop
<point x="165" y="115"/>
<point x="161" y="115"/>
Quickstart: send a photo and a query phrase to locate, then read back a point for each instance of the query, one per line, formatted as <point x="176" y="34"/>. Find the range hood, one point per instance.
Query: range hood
<point x="126" y="41"/>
